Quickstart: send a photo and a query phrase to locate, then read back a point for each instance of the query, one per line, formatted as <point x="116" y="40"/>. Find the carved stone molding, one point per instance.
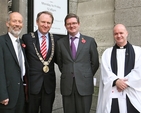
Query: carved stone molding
<point x="9" y="6"/>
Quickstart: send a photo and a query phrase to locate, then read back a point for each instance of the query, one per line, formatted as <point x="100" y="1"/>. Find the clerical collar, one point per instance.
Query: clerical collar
<point x="123" y="47"/>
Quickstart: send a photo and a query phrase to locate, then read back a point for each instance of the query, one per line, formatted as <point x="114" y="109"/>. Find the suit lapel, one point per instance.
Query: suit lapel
<point x="67" y="45"/>
<point x="11" y="48"/>
<point x="35" y="40"/>
<point x="49" y="47"/>
<point x="22" y="46"/>
<point x="80" y="46"/>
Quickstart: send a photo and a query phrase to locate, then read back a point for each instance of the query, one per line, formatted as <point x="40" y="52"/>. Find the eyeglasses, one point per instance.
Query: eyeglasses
<point x="71" y="24"/>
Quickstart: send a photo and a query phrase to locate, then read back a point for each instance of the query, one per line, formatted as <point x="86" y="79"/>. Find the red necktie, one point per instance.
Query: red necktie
<point x="44" y="47"/>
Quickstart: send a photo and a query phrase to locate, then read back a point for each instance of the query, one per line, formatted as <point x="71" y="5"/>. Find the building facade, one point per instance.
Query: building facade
<point x="97" y="18"/>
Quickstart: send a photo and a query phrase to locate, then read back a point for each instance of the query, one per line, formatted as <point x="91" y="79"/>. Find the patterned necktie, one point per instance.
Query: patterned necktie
<point x="73" y="48"/>
<point x="20" y="59"/>
<point x="44" y="47"/>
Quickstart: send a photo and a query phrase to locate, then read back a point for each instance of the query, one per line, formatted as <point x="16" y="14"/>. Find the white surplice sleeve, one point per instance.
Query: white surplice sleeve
<point x="134" y="81"/>
<point x="106" y="81"/>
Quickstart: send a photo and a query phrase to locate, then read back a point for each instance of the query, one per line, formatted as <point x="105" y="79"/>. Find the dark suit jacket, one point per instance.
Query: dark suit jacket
<point x="83" y="67"/>
<point x="36" y="75"/>
<point x="10" y="73"/>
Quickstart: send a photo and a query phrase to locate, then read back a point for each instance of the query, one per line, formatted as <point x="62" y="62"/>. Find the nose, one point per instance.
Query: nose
<point x="118" y="35"/>
<point x="46" y="24"/>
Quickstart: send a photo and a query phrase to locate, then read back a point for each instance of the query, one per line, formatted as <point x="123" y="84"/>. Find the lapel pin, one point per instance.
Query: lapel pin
<point x="83" y="40"/>
<point x="23" y="45"/>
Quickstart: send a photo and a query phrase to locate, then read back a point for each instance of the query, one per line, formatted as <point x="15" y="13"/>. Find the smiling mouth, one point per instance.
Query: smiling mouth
<point x="16" y="29"/>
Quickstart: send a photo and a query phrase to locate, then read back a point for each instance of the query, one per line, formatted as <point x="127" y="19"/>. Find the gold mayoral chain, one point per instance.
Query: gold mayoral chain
<point x="45" y="63"/>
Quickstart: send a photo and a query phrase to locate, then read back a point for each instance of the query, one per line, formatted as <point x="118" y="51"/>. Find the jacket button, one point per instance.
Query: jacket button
<point x="18" y="83"/>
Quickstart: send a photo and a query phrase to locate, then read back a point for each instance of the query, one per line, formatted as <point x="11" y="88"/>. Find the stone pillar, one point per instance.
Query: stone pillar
<point x="3" y="16"/>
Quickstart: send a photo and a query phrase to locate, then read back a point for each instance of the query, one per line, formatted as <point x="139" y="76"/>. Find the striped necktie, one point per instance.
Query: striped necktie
<point x="44" y="47"/>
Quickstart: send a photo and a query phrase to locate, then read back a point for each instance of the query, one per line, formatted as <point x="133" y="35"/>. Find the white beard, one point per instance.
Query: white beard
<point x="15" y="33"/>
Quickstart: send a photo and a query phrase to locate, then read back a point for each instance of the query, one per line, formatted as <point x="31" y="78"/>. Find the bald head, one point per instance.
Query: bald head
<point x="119" y="26"/>
<point x="14" y="14"/>
<point x="120" y="35"/>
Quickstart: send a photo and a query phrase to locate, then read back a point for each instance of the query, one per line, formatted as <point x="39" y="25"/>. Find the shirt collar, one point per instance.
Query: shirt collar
<point x="12" y="37"/>
<point x="40" y="34"/>
<point x="77" y="35"/>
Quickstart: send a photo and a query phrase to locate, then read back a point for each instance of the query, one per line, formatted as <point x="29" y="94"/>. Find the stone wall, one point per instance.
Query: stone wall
<point x="97" y="20"/>
<point x="73" y="6"/>
<point x="129" y="14"/>
<point x="3" y="16"/>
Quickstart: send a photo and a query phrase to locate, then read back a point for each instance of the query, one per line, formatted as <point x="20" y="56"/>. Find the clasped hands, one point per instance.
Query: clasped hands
<point x="121" y="84"/>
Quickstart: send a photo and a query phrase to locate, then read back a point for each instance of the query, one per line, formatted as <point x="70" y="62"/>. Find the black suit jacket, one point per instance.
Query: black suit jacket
<point x="10" y="73"/>
<point x="83" y="67"/>
<point x="36" y="75"/>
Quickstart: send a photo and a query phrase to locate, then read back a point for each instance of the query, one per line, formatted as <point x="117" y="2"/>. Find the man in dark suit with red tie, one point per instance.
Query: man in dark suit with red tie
<point x="12" y="66"/>
<point x="40" y="48"/>
<point x="78" y="61"/>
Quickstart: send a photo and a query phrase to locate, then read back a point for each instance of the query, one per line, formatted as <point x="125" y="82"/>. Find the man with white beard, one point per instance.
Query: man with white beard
<point x="120" y="89"/>
<point x="12" y="66"/>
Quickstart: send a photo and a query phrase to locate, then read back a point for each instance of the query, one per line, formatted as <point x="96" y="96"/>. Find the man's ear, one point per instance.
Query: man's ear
<point x="7" y="24"/>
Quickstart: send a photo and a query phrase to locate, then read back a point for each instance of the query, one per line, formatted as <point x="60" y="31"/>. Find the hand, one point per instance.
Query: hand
<point x="121" y="85"/>
<point x="119" y="90"/>
<point x="5" y="102"/>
